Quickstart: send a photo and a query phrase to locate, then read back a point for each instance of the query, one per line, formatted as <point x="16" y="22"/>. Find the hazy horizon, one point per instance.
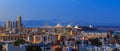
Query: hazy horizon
<point x="39" y="23"/>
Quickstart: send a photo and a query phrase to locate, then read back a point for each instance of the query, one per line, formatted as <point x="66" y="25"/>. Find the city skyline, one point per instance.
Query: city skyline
<point x="59" y="25"/>
<point x="18" y="23"/>
<point x="62" y="11"/>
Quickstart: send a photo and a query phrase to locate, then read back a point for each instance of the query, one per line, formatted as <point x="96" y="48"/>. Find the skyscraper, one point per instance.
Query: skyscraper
<point x="19" y="24"/>
<point x="12" y="24"/>
<point x="8" y="25"/>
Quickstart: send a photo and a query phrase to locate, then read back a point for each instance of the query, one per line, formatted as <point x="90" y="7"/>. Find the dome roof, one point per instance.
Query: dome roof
<point x="69" y="26"/>
<point x="90" y="26"/>
<point x="58" y="26"/>
<point x="76" y="27"/>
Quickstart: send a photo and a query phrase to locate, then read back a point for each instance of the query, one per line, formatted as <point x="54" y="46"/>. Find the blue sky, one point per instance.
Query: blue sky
<point x="97" y="12"/>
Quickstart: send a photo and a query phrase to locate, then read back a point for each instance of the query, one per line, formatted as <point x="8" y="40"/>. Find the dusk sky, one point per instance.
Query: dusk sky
<point x="97" y="12"/>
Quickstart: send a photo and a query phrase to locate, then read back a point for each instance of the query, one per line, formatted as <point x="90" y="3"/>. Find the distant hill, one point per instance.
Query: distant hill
<point x="114" y="28"/>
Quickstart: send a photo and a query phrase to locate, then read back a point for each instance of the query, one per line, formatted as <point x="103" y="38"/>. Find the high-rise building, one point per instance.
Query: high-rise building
<point x="8" y="25"/>
<point x="12" y="25"/>
<point x="19" y="24"/>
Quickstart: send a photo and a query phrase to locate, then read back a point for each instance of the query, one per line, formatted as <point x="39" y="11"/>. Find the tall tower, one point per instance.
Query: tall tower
<point x="12" y="25"/>
<point x="19" y="24"/>
<point x="8" y="25"/>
